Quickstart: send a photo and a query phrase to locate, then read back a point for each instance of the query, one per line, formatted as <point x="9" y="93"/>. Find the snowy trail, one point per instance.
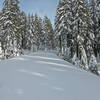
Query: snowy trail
<point x="43" y="76"/>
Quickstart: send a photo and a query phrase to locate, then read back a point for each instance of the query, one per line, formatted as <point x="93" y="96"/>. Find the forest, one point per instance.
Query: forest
<point x="75" y="34"/>
<point x="77" y="28"/>
<point x="45" y="59"/>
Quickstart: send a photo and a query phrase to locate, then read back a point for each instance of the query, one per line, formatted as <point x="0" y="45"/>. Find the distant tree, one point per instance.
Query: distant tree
<point x="24" y="30"/>
<point x="48" y="33"/>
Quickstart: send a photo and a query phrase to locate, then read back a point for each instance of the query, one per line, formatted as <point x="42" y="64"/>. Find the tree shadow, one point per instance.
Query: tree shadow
<point x="37" y="74"/>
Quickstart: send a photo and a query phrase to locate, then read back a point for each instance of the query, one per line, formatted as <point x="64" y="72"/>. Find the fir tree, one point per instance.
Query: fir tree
<point x="24" y="29"/>
<point x="37" y="30"/>
<point x="48" y="33"/>
<point x="98" y="28"/>
<point x="82" y="20"/>
<point x="60" y="35"/>
<point x="11" y="30"/>
<point x="95" y="12"/>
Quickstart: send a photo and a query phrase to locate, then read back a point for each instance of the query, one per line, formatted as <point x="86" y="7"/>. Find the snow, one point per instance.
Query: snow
<point x="44" y="76"/>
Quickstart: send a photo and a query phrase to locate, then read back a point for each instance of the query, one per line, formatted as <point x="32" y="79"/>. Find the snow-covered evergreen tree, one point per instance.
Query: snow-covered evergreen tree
<point x="38" y="31"/>
<point x="95" y="16"/>
<point x="90" y="37"/>
<point x="41" y="35"/>
<point x="10" y="28"/>
<point x="82" y="53"/>
<point x="74" y="30"/>
<point x="48" y="33"/>
<point x="81" y="28"/>
<point x="93" y="65"/>
<point x="0" y="51"/>
<point x="29" y="32"/>
<point x="1" y="54"/>
<point x="64" y="27"/>
<point x="60" y="30"/>
<point x="98" y="28"/>
<point x="24" y="31"/>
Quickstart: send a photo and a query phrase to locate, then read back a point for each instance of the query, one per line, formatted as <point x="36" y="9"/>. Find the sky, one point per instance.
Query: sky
<point x="41" y="7"/>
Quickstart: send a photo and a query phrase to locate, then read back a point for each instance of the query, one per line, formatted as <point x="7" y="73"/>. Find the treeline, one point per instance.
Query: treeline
<point x="19" y="31"/>
<point x="77" y="31"/>
<point x="76" y="36"/>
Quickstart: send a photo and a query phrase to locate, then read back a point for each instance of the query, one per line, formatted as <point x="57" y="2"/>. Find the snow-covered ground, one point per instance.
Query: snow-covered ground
<point x="44" y="76"/>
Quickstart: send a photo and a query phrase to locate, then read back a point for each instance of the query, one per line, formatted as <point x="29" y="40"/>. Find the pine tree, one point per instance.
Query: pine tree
<point x="93" y="65"/>
<point x="95" y="12"/>
<point x="29" y="32"/>
<point x="98" y="27"/>
<point x="24" y="31"/>
<point x="1" y="54"/>
<point x="81" y="27"/>
<point x="69" y="22"/>
<point x="36" y="34"/>
<point x="38" y="30"/>
<point x="41" y="34"/>
<point x="90" y="37"/>
<point x="17" y="31"/>
<point x="33" y="35"/>
<point x="60" y="29"/>
<point x="48" y="34"/>
<point x="64" y="28"/>
<point x="11" y="30"/>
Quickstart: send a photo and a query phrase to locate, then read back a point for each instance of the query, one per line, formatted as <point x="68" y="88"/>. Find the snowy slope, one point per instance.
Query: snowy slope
<point x="43" y="76"/>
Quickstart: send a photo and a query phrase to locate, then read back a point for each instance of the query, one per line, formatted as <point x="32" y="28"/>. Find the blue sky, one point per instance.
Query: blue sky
<point x="41" y="7"/>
